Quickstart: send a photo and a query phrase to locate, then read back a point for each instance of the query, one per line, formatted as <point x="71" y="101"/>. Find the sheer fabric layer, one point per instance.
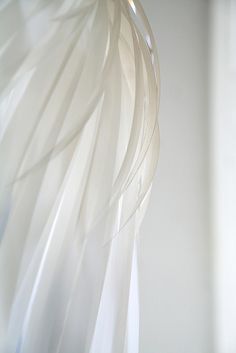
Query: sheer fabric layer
<point x="78" y="150"/>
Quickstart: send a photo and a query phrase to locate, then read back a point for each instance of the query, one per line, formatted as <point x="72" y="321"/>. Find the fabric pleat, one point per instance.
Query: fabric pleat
<point x="79" y="142"/>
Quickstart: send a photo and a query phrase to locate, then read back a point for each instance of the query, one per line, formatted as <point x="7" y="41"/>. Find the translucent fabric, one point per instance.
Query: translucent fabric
<point x="78" y="149"/>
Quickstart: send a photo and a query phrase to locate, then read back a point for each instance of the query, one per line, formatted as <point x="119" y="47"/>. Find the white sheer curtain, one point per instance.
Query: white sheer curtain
<point x="78" y="150"/>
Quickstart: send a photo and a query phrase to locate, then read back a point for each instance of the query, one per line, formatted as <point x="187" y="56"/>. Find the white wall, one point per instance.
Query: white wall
<point x="223" y="157"/>
<point x="175" y="253"/>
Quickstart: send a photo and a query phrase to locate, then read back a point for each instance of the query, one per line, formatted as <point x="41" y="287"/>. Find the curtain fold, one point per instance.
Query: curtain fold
<point x="79" y="141"/>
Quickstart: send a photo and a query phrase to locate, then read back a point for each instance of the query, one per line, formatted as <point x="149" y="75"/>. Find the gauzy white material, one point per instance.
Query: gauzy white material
<point x="78" y="150"/>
